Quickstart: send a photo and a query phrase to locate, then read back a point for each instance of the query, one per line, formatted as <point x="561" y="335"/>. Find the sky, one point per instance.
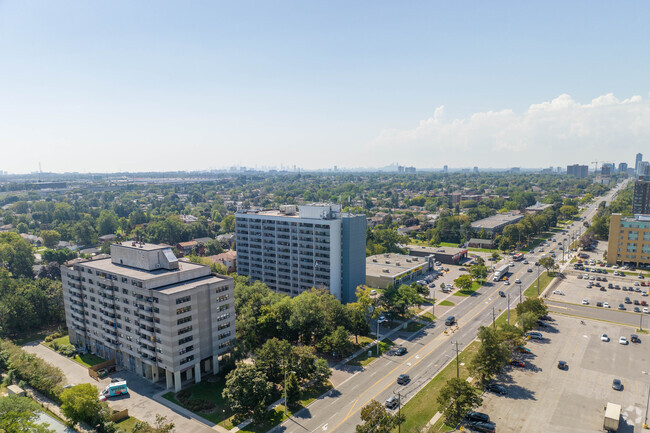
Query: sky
<point x="161" y="85"/>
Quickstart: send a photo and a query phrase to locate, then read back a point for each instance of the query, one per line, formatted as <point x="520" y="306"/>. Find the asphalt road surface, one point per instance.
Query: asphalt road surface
<point x="428" y="352"/>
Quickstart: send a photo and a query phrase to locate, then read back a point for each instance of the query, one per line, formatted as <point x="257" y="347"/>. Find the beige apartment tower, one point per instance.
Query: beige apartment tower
<point x="629" y="240"/>
<point x="161" y="318"/>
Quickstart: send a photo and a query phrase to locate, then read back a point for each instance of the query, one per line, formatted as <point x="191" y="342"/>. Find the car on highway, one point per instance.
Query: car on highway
<point x="525" y="262"/>
<point x="382" y="319"/>
<point x="617" y="385"/>
<point x="392" y="402"/>
<point x="604" y="338"/>
<point x="399" y="351"/>
<point x="403" y="379"/>
<point x="517" y="281"/>
<point x="502" y="293"/>
<point x="530" y="270"/>
<point x="623" y="341"/>
<point x="450" y="320"/>
<point x="497" y="389"/>
<point x="506" y="282"/>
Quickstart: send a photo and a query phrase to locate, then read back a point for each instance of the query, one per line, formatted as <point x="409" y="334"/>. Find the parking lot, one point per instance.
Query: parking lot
<point x="541" y="397"/>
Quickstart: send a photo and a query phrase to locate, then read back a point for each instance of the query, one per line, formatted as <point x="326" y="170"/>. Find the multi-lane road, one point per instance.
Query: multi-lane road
<point x="428" y="351"/>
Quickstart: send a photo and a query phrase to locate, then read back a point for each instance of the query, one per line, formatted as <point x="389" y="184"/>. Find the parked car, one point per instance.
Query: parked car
<point x="562" y="365"/>
<point x="478" y="416"/>
<point x="483" y="427"/>
<point x="604" y="338"/>
<point x="497" y="389"/>
<point x="522" y="349"/>
<point x="635" y="338"/>
<point x="623" y="341"/>
<point x="534" y="335"/>
<point x="517" y="363"/>
<point x="382" y="319"/>
<point x="617" y="385"/>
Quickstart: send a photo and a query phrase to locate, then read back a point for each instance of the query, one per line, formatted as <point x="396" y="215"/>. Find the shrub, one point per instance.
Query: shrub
<point x="67" y="350"/>
<point x="200" y="405"/>
<point x="184" y="395"/>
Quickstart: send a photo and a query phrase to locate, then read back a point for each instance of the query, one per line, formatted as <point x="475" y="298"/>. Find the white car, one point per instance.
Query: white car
<point x="373" y="292"/>
<point x="606" y="305"/>
<point x="382" y="319"/>
<point x="558" y="292"/>
<point x="511" y="264"/>
<point x="604" y="338"/>
<point x="585" y="302"/>
<point x="623" y="341"/>
<point x="517" y="281"/>
<point x="646" y="310"/>
<point x="506" y="282"/>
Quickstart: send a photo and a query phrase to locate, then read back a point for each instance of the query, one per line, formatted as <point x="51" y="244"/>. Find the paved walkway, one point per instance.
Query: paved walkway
<point x="144" y="401"/>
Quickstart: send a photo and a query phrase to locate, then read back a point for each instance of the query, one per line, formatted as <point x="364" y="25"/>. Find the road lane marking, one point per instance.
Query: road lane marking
<point x="354" y="403"/>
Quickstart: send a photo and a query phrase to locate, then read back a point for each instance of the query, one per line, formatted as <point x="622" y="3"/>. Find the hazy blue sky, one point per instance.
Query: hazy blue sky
<point x="159" y="85"/>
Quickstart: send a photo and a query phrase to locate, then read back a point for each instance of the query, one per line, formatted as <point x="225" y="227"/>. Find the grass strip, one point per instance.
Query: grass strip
<point x="364" y="359"/>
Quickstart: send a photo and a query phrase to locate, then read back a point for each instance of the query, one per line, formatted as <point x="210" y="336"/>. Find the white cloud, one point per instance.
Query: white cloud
<point x="553" y="132"/>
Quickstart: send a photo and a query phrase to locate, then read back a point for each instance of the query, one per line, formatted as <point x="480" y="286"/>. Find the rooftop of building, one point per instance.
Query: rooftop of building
<point x="391" y="264"/>
<point x="539" y="206"/>
<point x="437" y="250"/>
<point x="141" y="245"/>
<point x="497" y="220"/>
<point x="187" y="285"/>
<point x="106" y="265"/>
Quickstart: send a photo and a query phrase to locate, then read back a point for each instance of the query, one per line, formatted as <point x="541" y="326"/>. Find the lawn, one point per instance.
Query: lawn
<point x="87" y="360"/>
<point x="544" y="280"/>
<point x="424" y="405"/>
<point x="446" y="303"/>
<point x="126" y="425"/>
<point x="363" y="359"/>
<point x="414" y="326"/>
<point x="468" y="292"/>
<point x="207" y="390"/>
<point x="427" y="317"/>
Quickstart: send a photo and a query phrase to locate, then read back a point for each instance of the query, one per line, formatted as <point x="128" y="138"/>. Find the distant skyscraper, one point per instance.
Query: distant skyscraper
<point x="622" y="167"/>
<point x="605" y="170"/>
<point x="637" y="161"/>
<point x="577" y="170"/>
<point x="445" y="169"/>
<point x="475" y="169"/>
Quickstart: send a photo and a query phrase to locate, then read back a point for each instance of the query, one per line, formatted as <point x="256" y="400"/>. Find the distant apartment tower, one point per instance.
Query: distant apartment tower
<point x="445" y="169"/>
<point x="159" y="317"/>
<point x="637" y="161"/>
<point x="296" y="248"/>
<point x="622" y="167"/>
<point x="641" y="198"/>
<point x="606" y="170"/>
<point x="475" y="170"/>
<point x="577" y="170"/>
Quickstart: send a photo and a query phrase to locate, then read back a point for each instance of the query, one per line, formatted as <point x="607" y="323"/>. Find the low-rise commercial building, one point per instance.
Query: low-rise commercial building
<point x="629" y="240"/>
<point x="446" y="255"/>
<point x="164" y="319"/>
<point x="385" y="270"/>
<point x="496" y="223"/>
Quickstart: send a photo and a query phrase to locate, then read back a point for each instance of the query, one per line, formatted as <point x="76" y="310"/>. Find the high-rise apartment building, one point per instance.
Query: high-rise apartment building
<point x="641" y="198"/>
<point x="629" y="240"/>
<point x="637" y="161"/>
<point x="577" y="170"/>
<point x="622" y="167"/>
<point x="162" y="318"/>
<point x="296" y="248"/>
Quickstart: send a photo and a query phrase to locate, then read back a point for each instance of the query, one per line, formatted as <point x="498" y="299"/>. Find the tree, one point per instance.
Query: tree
<point x="293" y="390"/>
<point x="458" y="397"/>
<point x="322" y="371"/>
<point x="533" y="305"/>
<point x="273" y="358"/>
<point x="528" y="321"/>
<point x="375" y="419"/>
<point x="357" y="320"/>
<point x="22" y="228"/>
<point x="84" y="233"/>
<point x="492" y="355"/>
<point x="51" y="238"/>
<point x="247" y="392"/>
<point x="464" y="282"/>
<point x="228" y="224"/>
<point x="478" y="272"/>
<point x="16" y="255"/>
<point x="20" y="415"/>
<point x="80" y="403"/>
<point x="107" y="222"/>
<point x="59" y="256"/>
<point x="338" y="343"/>
<point x="160" y="426"/>
<point x="547" y="263"/>
<point x="52" y="271"/>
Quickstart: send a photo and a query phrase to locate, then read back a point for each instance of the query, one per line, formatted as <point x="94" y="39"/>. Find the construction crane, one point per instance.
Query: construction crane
<point x="596" y="167"/>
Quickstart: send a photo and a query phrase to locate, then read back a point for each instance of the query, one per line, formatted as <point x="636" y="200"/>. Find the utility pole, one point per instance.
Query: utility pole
<point x="457" y="362"/>
<point x="433" y="305"/>
<point x="519" y="293"/>
<point x="494" y="323"/>
<point x="537" y="280"/>
<point x="399" y="411"/>
<point x="377" y="336"/>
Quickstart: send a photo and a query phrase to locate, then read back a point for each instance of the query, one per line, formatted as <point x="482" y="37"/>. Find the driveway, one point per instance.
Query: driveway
<point x="140" y="402"/>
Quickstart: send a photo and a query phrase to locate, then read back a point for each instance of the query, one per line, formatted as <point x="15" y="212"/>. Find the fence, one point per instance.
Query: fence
<point x="93" y="371"/>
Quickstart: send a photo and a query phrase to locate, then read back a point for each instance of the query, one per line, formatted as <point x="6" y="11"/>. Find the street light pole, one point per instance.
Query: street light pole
<point x="537" y="280"/>
<point x="433" y="305"/>
<point x="457" y="362"/>
<point x="377" y="336"/>
<point x="399" y="411"/>
<point x="520" y="293"/>
<point x="508" y="308"/>
<point x="494" y="323"/>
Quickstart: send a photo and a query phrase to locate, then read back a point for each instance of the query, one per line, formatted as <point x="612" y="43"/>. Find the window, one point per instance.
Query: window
<point x="183" y="309"/>
<point x="184" y="320"/>
<point x="223" y="307"/>
<point x="185" y="340"/>
<point x="183" y="299"/>
<point x="185" y="330"/>
<point x="633" y="236"/>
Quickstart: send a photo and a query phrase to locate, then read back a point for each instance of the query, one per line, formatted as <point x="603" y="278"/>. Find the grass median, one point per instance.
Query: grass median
<point x="364" y="359"/>
<point x="446" y="303"/>
<point x="544" y="280"/>
<point x="424" y="405"/>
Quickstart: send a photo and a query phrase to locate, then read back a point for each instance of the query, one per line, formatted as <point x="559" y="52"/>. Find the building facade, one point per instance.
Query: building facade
<point x="386" y="270"/>
<point x="641" y="198"/>
<point x="294" y="249"/>
<point x="629" y="240"/>
<point x="161" y="318"/>
<point x="577" y="170"/>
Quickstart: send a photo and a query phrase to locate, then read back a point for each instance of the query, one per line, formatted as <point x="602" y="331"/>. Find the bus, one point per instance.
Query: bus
<point x="518" y="256"/>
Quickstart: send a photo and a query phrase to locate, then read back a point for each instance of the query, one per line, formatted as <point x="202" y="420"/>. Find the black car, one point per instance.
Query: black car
<point x="478" y="416"/>
<point x="483" y="427"/>
<point x="502" y="294"/>
<point x="399" y="351"/>
<point x="635" y="338"/>
<point x="403" y="379"/>
<point x="562" y="365"/>
<point x="497" y="389"/>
